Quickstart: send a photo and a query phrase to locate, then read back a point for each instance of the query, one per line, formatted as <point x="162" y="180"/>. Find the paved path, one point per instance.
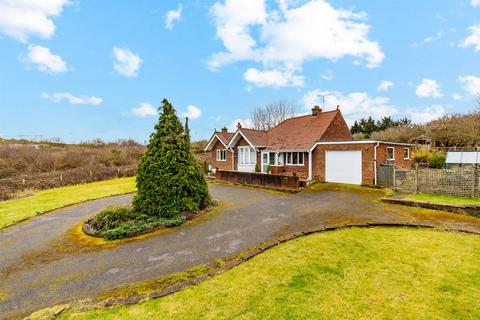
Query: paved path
<point x="42" y="262"/>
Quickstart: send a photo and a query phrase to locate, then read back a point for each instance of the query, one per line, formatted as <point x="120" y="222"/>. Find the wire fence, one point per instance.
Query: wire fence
<point x="463" y="181"/>
<point x="9" y="187"/>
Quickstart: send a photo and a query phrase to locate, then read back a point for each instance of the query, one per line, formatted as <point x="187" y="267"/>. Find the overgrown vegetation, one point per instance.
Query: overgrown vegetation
<point x="121" y="222"/>
<point x="375" y="273"/>
<point x="431" y="159"/>
<point x="170" y="184"/>
<point x="461" y="130"/>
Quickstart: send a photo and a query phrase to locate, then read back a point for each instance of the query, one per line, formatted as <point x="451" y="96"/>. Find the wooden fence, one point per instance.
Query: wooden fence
<point x="463" y="181"/>
<point x="259" y="179"/>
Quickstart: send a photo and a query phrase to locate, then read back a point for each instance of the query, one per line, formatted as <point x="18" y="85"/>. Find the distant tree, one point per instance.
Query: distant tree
<point x="399" y="134"/>
<point x="270" y="115"/>
<point x="367" y="126"/>
<point x="169" y="180"/>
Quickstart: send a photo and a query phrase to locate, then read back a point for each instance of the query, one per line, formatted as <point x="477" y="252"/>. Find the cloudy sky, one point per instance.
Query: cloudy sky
<point x="81" y="70"/>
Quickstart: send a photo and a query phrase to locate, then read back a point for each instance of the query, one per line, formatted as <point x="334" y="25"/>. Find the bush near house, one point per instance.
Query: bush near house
<point x="170" y="184"/>
<point x="433" y="159"/>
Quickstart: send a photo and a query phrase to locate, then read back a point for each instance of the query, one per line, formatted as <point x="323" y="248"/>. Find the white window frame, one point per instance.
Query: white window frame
<point x="245" y="156"/>
<point x="289" y="158"/>
<point x="393" y="153"/>
<point x="408" y="153"/>
<point x="219" y="154"/>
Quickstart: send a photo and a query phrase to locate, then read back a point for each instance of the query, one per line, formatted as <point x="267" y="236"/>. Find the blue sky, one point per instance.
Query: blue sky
<point x="80" y="70"/>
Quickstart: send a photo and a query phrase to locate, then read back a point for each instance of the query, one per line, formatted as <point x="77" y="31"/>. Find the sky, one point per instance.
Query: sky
<point x="80" y="70"/>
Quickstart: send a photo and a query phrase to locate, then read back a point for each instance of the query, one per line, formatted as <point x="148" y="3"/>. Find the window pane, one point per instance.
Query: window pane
<point x="295" y="158"/>
<point x="300" y="158"/>
<point x="253" y="156"/>
<point x="289" y="158"/>
<point x="280" y="159"/>
<point x="272" y="158"/>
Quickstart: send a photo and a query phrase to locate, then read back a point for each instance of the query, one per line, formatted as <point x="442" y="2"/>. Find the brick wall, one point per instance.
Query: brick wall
<point x="318" y="158"/>
<point x="368" y="170"/>
<point x="224" y="165"/>
<point x="259" y="179"/>
<point x="399" y="161"/>
<point x="337" y="130"/>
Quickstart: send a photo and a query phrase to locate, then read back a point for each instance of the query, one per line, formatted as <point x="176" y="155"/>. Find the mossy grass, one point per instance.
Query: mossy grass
<point x="443" y="199"/>
<point x="42" y="201"/>
<point x="356" y="273"/>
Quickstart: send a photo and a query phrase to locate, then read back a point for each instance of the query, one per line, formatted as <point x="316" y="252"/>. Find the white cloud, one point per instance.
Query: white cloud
<point x="286" y="37"/>
<point x="429" y="89"/>
<point x="72" y="99"/>
<point x="428" y="114"/>
<point x="438" y="35"/>
<point x="353" y="105"/>
<point x="45" y="60"/>
<point x="245" y="123"/>
<point x="145" y="109"/>
<point x="327" y="75"/>
<point x="23" y="18"/>
<point x="471" y="84"/>
<point x="192" y="112"/>
<point x="127" y="63"/>
<point x="473" y="39"/>
<point x="172" y="16"/>
<point x="456" y="96"/>
<point x="273" y="78"/>
<point x="385" y="85"/>
<point x="475" y="3"/>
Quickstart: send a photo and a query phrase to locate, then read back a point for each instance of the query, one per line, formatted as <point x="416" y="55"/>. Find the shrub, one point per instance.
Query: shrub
<point x="111" y="217"/>
<point x="169" y="179"/>
<point x="420" y="155"/>
<point x="437" y="160"/>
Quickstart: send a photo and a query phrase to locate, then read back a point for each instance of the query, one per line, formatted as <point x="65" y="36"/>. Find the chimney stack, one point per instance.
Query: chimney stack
<point x="316" y="110"/>
<point x="224" y="129"/>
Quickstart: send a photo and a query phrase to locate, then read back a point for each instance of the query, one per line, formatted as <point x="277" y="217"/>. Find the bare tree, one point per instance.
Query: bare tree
<point x="270" y="115"/>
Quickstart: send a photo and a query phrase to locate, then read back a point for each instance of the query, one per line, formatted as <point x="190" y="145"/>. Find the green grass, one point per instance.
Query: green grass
<point x="46" y="200"/>
<point x="443" y="199"/>
<point x="376" y="273"/>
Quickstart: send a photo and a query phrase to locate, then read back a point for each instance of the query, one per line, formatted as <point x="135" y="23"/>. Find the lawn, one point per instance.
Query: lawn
<point x="443" y="199"/>
<point x="46" y="200"/>
<point x="359" y="273"/>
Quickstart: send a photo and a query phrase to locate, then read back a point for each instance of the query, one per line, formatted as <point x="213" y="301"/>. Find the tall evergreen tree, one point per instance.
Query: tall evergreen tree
<point x="169" y="179"/>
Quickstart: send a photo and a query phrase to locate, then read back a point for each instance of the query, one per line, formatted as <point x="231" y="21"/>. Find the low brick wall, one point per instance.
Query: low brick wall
<point x="259" y="179"/>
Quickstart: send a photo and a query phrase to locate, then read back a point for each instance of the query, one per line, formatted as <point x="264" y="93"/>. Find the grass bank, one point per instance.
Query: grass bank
<point x="443" y="199"/>
<point x="375" y="273"/>
<point x="46" y="200"/>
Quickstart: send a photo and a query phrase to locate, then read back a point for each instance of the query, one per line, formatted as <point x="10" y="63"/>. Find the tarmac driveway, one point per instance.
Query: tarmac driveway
<point x="46" y="261"/>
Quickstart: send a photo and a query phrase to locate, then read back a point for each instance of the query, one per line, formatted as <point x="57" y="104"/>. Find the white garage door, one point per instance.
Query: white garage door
<point x="343" y="167"/>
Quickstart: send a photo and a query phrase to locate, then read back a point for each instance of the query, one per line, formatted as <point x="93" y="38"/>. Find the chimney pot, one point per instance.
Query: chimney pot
<point x="224" y="129"/>
<point x="316" y="110"/>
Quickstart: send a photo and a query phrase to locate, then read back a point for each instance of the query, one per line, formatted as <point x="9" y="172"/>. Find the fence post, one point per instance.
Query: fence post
<point x="118" y="172"/>
<point x="61" y="177"/>
<point x="393" y="178"/>
<point x="23" y="181"/>
<point x="474" y="180"/>
<point x="416" y="178"/>
<point x="91" y="174"/>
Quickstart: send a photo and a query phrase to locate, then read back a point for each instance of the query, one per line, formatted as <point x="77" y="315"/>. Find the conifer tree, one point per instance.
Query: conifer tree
<point x="169" y="179"/>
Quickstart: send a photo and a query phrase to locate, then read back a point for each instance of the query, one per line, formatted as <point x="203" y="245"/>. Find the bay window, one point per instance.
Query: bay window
<point x="246" y="156"/>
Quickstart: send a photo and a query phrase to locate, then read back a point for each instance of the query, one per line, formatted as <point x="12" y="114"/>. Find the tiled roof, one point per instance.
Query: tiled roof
<point x="256" y="137"/>
<point x="225" y="136"/>
<point x="299" y="133"/>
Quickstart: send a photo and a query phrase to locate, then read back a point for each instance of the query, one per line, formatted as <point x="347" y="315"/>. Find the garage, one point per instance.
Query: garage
<point x="343" y="166"/>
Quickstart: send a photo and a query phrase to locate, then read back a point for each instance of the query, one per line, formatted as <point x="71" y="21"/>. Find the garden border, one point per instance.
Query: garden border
<point x="470" y="210"/>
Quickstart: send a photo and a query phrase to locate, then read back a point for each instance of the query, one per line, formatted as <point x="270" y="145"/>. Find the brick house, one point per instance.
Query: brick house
<point x="318" y="146"/>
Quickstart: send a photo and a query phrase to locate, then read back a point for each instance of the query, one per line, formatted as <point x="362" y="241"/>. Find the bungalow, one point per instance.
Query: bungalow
<point x="318" y="146"/>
